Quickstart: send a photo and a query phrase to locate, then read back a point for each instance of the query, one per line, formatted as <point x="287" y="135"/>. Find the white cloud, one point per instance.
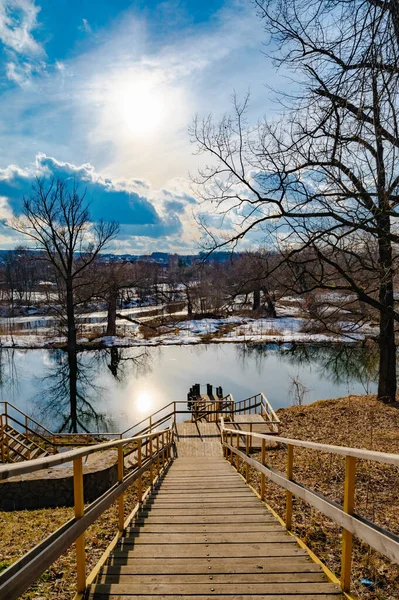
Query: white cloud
<point x="18" y="21"/>
<point x="85" y="26"/>
<point x="125" y="103"/>
<point x="144" y="213"/>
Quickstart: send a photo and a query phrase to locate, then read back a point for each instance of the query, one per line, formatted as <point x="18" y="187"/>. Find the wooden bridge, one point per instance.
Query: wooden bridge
<point x="200" y="531"/>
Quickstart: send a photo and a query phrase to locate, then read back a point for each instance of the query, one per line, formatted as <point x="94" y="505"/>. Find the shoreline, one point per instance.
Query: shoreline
<point x="120" y="342"/>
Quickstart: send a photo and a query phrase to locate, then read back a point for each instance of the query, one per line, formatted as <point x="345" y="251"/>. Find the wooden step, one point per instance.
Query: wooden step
<point x="203" y="534"/>
<point x="123" y="575"/>
<point x="295" y="589"/>
<point x="281" y="548"/>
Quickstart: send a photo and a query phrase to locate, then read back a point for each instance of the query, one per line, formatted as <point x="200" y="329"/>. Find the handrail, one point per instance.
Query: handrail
<point x="375" y="536"/>
<point x="382" y="457"/>
<point x="5" y="402"/>
<point x="38" y="464"/>
<point x="32" y="431"/>
<point x="226" y="403"/>
<point x="21" y="574"/>
<point x="174" y="402"/>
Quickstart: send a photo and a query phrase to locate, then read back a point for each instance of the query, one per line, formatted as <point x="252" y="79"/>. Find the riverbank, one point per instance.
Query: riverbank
<point x="237" y="329"/>
<point x="358" y="421"/>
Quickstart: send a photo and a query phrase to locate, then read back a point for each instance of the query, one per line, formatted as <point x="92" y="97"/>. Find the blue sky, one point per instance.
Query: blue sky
<point x="104" y="91"/>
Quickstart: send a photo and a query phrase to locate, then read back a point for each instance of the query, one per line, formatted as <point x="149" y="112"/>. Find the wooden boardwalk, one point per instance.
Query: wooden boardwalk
<point x="203" y="534"/>
<point x="254" y="423"/>
<point x="198" y="439"/>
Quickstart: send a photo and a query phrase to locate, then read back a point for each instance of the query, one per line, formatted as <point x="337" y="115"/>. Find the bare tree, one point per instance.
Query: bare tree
<point x="57" y="219"/>
<point x="323" y="182"/>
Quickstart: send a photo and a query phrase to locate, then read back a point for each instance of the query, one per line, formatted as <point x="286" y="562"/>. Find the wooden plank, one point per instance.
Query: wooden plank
<point x="101" y="595"/>
<point x="208" y="538"/>
<point x="208" y="527"/>
<point x="243" y="511"/>
<point x="114" y="574"/>
<point x="171" y="519"/>
<point x="210" y="550"/>
<point x="176" y="589"/>
<point x="233" y="564"/>
<point x="214" y="486"/>
<point x="203" y="492"/>
<point x="204" y="504"/>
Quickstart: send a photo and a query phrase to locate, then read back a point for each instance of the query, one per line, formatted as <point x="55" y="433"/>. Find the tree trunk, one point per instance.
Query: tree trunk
<point x="115" y="360"/>
<point x="72" y="356"/>
<point x="189" y="303"/>
<point x="387" y="372"/>
<point x="71" y="324"/>
<point x="270" y="307"/>
<point x="387" y="346"/>
<point x="256" y="301"/>
<point x="111" y="317"/>
<point x="73" y="377"/>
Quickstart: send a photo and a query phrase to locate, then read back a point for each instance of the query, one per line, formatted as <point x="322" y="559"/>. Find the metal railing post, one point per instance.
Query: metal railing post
<point x="157" y="451"/>
<point x="140" y="479"/>
<point x="2" y="436"/>
<point x="79" y="512"/>
<point x="347" y="536"/>
<point x="289" y="473"/>
<point x="121" y="499"/>
<point x="151" y="466"/>
<point x="247" y="453"/>
<point x="263" y="476"/>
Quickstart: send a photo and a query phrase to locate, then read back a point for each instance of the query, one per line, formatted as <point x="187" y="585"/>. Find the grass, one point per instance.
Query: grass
<point x="362" y="422"/>
<point x="22" y="530"/>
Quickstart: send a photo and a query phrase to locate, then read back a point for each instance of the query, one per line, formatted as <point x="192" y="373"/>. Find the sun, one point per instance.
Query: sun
<point x="139" y="104"/>
<point x="144" y="401"/>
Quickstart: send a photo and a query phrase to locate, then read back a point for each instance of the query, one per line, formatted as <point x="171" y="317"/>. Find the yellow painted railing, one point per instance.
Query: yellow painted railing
<point x="13" y="416"/>
<point x="353" y="525"/>
<point x="154" y="453"/>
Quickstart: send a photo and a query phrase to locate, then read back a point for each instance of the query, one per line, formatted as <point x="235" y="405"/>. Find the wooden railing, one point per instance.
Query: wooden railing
<point x="376" y="537"/>
<point x="154" y="452"/>
<point x="11" y="415"/>
<point x="258" y="404"/>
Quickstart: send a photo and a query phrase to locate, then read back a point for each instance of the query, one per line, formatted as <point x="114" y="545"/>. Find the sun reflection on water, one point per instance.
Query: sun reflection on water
<point x="145" y="401"/>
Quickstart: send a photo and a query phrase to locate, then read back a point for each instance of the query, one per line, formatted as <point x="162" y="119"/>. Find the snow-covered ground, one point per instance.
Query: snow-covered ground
<point x="196" y="331"/>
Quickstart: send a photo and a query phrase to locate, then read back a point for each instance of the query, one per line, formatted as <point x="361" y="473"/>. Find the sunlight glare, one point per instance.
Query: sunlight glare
<point x="144" y="401"/>
<point x="140" y="104"/>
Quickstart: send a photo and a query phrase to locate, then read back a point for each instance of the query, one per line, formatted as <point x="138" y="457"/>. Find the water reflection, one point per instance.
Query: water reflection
<point x="68" y="394"/>
<point x="339" y="363"/>
<point x="109" y="390"/>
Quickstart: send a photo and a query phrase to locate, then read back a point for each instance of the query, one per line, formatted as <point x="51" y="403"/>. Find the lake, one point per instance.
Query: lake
<point x="118" y="387"/>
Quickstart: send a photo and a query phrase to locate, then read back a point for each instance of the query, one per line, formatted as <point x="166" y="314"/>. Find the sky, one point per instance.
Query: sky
<point x="104" y="92"/>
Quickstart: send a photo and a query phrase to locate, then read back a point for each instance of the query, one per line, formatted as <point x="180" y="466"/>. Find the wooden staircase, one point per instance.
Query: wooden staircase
<point x="17" y="446"/>
<point x="204" y="534"/>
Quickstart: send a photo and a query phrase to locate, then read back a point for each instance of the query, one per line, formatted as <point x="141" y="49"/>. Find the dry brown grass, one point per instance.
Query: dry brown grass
<point x="359" y="421"/>
<point x="20" y="531"/>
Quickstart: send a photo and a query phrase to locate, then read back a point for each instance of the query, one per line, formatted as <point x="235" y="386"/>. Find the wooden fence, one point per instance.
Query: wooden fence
<point x="154" y="452"/>
<point x="353" y="525"/>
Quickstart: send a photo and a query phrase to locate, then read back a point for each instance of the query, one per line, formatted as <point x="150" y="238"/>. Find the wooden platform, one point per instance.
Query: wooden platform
<point x="198" y="439"/>
<point x="255" y="422"/>
<point x="203" y="534"/>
